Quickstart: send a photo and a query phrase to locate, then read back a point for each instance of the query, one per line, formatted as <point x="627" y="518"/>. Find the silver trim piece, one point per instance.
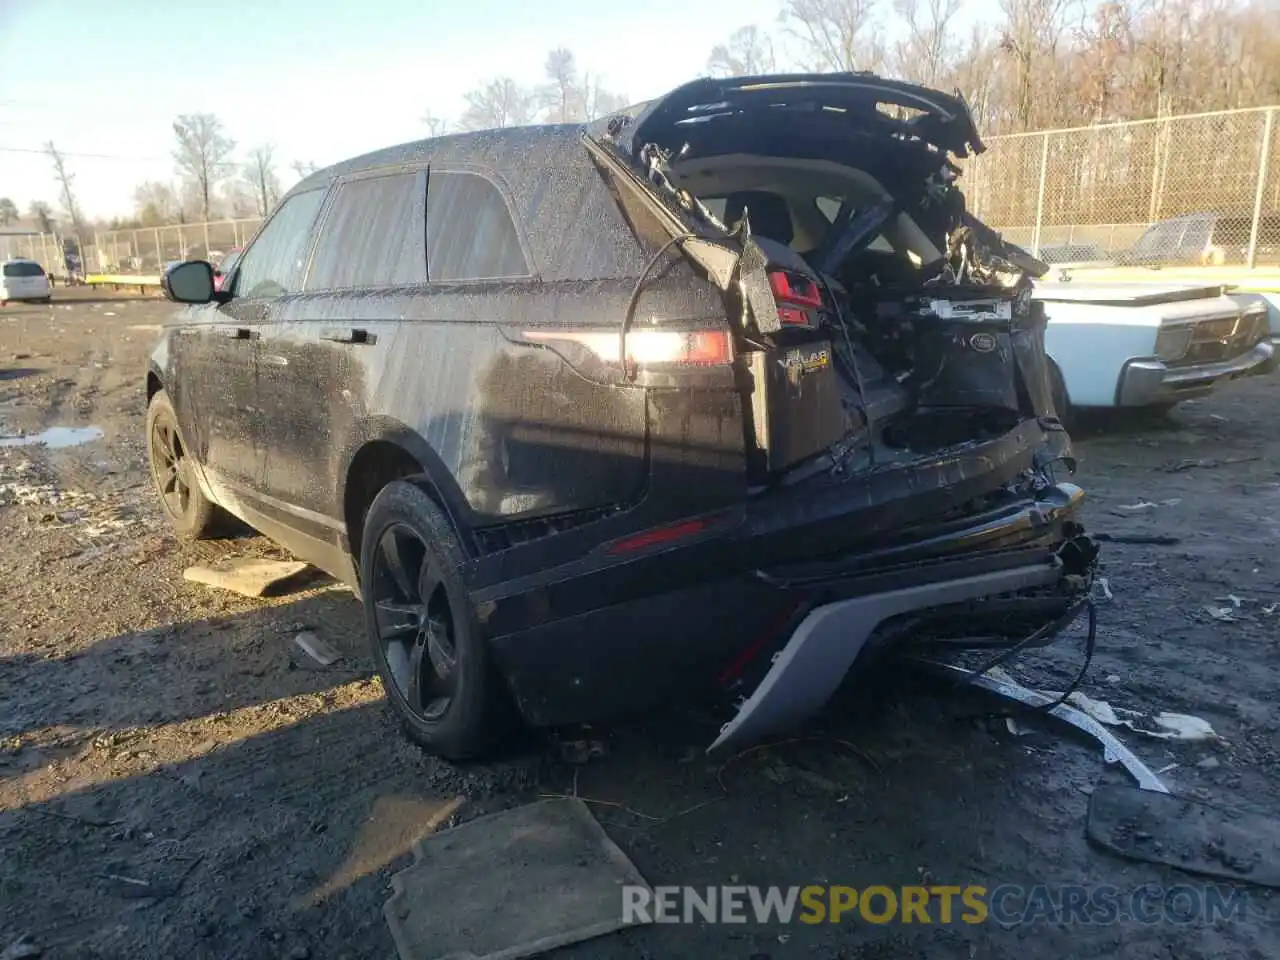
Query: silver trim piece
<point x="1113" y="751"/>
<point x="807" y="671"/>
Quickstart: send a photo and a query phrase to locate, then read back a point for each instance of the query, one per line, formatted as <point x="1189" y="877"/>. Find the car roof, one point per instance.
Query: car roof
<point x="20" y="260"/>
<point x="530" y="146"/>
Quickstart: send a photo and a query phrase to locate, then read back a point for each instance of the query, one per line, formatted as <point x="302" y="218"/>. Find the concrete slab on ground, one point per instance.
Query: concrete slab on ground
<point x="248" y="576"/>
<point x="510" y="885"/>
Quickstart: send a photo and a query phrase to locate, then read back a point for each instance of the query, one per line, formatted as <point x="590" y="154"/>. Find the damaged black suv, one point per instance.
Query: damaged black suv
<point x="717" y="394"/>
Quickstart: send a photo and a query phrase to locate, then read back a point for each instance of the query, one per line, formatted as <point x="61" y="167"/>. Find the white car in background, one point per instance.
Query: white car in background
<point x="1149" y="345"/>
<point x="22" y="279"/>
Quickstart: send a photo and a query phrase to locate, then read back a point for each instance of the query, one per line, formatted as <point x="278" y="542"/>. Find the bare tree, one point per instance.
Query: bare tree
<point x="1031" y="36"/>
<point x="303" y="168"/>
<point x="436" y="127"/>
<point x="8" y="211"/>
<point x="598" y="101"/>
<point x="69" y="206"/>
<point x="42" y="214"/>
<point x="202" y="153"/>
<point x="838" y="34"/>
<point x="975" y="74"/>
<point x="1104" y="51"/>
<point x="260" y="175"/>
<point x="748" y="53"/>
<point x="926" y="49"/>
<point x="562" y="97"/>
<point x="499" y="103"/>
<point x="155" y="203"/>
<point x="240" y="199"/>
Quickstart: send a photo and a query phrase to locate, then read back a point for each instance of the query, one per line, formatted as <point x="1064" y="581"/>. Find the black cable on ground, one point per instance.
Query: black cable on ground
<point x="1061" y="623"/>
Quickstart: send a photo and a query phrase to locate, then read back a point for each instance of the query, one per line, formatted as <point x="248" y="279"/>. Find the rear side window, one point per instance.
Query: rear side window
<point x="273" y="264"/>
<point x="23" y="270"/>
<point x="372" y="235"/>
<point x="470" y="233"/>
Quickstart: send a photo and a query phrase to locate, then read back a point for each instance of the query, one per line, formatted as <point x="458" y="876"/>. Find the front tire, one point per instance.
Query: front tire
<point x="421" y="628"/>
<point x="190" y="512"/>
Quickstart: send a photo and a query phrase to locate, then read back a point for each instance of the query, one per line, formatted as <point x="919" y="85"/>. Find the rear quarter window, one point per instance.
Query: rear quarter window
<point x="372" y="235"/>
<point x="470" y="232"/>
<point x="23" y="270"/>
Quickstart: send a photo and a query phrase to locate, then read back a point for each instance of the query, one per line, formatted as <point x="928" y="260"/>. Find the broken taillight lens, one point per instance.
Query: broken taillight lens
<point x="799" y="298"/>
<point x="649" y="347"/>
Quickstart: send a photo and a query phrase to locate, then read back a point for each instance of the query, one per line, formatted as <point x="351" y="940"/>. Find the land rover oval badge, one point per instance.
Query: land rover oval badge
<point x="983" y="342"/>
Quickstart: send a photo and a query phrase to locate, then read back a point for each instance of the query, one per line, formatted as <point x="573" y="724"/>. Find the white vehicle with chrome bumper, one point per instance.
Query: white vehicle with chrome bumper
<point x="1143" y="345"/>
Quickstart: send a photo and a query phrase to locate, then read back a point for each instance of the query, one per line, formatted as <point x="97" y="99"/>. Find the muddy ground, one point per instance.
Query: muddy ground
<point x="157" y="732"/>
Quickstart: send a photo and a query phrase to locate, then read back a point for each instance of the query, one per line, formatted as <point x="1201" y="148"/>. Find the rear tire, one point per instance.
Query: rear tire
<point x="421" y="627"/>
<point x="190" y="512"/>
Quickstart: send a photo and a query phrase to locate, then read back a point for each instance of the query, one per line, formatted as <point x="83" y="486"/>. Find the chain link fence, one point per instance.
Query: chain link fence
<point x="1199" y="189"/>
<point x="144" y="251"/>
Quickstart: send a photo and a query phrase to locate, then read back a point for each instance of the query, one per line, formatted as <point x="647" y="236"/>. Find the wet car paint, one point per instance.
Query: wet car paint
<point x="541" y="459"/>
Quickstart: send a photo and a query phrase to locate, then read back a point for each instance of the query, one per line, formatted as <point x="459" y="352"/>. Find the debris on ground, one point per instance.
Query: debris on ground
<point x="1222" y="614"/>
<point x="498" y="873"/>
<point x="1186" y="835"/>
<point x="321" y="651"/>
<point x="1135" y="507"/>
<point x="1001" y="683"/>
<point x="1161" y="726"/>
<point x="1141" y="539"/>
<point x="1206" y="463"/>
<point x="248" y="576"/>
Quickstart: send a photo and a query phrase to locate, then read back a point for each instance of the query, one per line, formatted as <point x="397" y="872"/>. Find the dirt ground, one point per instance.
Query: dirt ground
<point x="177" y="781"/>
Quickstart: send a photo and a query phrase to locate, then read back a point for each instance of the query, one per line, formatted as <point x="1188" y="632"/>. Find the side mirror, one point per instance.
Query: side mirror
<point x="190" y="282"/>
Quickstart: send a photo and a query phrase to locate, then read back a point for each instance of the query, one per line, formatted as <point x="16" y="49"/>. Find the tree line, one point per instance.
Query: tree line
<point x="1041" y="64"/>
<point x="211" y="183"/>
<point x="1022" y="65"/>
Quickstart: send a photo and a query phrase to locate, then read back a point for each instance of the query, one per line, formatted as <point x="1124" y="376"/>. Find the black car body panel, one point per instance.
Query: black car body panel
<point x="643" y="420"/>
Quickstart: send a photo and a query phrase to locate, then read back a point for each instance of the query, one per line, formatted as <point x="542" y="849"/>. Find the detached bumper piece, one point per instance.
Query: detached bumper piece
<point x="813" y="663"/>
<point x="1113" y="751"/>
<point x="1146" y="382"/>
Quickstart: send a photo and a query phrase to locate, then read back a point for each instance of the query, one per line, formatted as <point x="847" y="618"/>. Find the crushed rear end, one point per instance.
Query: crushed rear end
<point x="900" y="445"/>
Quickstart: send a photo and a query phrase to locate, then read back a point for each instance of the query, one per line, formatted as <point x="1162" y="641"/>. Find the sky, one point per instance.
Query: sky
<point x="322" y="80"/>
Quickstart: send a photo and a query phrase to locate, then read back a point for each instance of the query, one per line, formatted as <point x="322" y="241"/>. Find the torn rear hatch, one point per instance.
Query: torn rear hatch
<point x="878" y="320"/>
<point x="859" y="99"/>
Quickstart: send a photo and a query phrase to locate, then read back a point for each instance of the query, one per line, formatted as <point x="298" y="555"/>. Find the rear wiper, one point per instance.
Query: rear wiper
<point x="857" y="233"/>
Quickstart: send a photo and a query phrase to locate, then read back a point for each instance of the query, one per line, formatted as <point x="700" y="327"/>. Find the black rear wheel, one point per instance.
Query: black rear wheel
<point x="421" y="629"/>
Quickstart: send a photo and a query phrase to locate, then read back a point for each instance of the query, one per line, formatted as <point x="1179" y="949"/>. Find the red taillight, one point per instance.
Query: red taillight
<point x="795" y="296"/>
<point x="790" y="288"/>
<point x="659" y="535"/>
<point x="649" y="347"/>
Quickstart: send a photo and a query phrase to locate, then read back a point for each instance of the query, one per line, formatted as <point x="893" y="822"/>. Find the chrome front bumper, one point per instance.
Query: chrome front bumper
<point x="1146" y="382"/>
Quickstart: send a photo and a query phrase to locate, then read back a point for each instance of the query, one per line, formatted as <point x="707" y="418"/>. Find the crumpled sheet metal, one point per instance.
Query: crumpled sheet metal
<point x="1113" y="751"/>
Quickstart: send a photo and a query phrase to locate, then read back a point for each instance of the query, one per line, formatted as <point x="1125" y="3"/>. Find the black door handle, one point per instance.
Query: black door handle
<point x="351" y="335"/>
<point x="238" y="333"/>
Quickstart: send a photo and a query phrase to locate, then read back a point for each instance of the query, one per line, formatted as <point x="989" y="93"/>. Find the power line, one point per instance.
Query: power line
<point x="72" y="153"/>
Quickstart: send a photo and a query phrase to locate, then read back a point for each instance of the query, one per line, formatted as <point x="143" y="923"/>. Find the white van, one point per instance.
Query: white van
<point x="24" y="280"/>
